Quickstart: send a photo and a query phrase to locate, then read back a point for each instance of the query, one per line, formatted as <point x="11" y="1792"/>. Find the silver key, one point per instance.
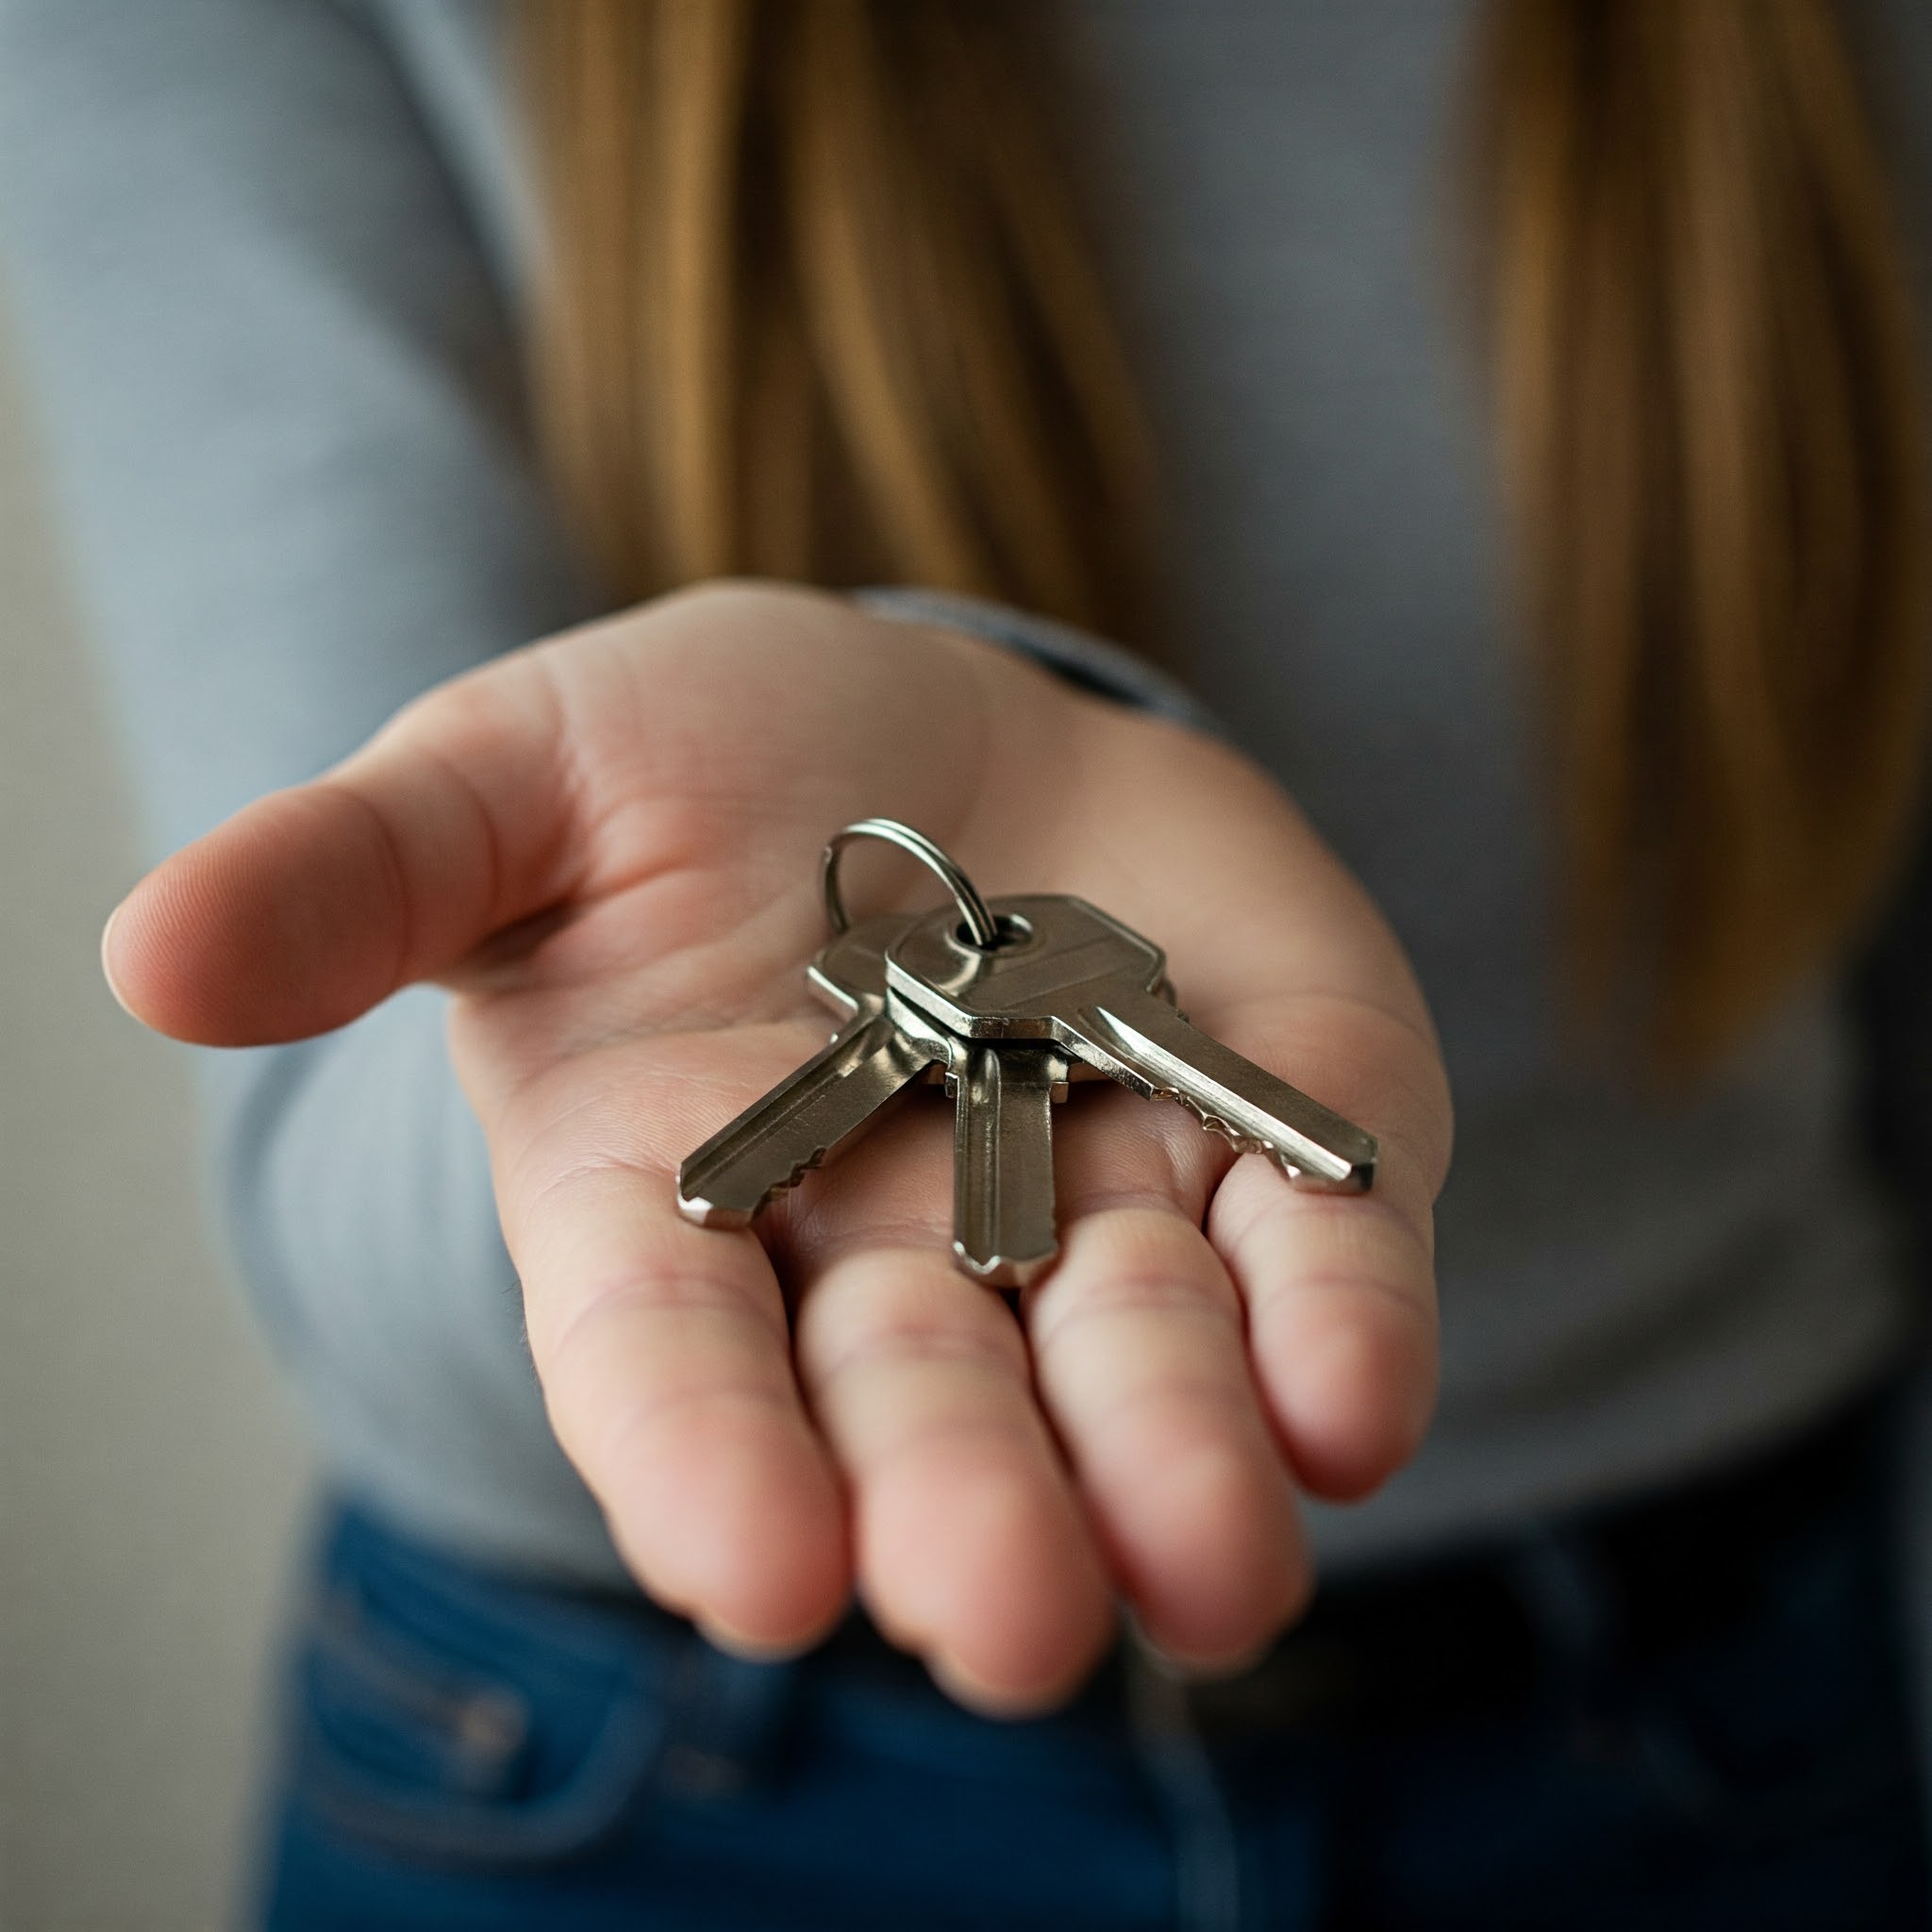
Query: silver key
<point x="1002" y="1199"/>
<point x="1065" y="972"/>
<point x="843" y="1088"/>
<point x="1003" y="1205"/>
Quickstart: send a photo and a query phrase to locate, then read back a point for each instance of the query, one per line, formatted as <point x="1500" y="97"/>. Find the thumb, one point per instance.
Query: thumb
<point x="315" y="903"/>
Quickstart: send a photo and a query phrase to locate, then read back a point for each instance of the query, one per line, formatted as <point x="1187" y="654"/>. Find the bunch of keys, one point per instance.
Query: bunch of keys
<point x="1005" y="1001"/>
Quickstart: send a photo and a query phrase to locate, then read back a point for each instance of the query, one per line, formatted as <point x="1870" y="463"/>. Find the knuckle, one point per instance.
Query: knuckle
<point x="1152" y="1303"/>
<point x="897" y="1345"/>
<point x="1166" y="1422"/>
<point x="1280" y="1233"/>
<point x="884" y="1314"/>
<point x="632" y="1433"/>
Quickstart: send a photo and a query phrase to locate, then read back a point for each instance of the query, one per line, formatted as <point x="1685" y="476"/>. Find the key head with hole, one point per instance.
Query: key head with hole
<point x="1056" y="953"/>
<point x="1069" y="972"/>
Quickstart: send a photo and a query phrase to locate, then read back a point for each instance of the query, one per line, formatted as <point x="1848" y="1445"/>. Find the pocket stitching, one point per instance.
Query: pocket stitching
<point x="466" y="1825"/>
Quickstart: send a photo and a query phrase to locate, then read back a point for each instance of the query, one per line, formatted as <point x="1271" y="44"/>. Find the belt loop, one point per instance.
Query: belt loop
<point x="1160" y="1721"/>
<point x="1572" y="1603"/>
<point x="724" y="1721"/>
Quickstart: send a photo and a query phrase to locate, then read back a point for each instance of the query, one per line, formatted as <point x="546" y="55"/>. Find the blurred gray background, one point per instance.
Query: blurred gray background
<point x="152" y="1476"/>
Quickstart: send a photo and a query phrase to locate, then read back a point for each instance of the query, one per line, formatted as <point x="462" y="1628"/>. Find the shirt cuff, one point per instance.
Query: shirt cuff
<point x="1079" y="657"/>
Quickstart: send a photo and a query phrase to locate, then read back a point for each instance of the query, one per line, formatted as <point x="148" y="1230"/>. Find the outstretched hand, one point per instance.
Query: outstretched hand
<point x="605" y="846"/>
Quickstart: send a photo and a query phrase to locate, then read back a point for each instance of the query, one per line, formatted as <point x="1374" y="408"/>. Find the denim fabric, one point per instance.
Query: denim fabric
<point x="469" y="1749"/>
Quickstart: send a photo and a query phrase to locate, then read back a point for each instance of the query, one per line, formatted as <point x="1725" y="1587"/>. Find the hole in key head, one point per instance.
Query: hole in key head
<point x="1013" y="931"/>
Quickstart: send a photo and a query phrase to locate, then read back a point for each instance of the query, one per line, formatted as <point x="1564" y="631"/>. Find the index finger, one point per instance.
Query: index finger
<point x="664" y="1351"/>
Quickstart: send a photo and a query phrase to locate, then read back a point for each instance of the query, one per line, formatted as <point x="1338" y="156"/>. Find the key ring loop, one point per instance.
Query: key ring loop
<point x="980" y="929"/>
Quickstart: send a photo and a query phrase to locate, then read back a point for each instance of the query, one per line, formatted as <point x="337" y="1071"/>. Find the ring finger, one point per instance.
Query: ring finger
<point x="1141" y="1362"/>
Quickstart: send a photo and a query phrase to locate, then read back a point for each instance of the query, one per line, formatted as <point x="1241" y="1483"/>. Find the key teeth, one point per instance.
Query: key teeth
<point x="791" y="1180"/>
<point x="1246" y="1143"/>
<point x="706" y="1215"/>
<point x="1000" y="1271"/>
<point x="1240" y="1143"/>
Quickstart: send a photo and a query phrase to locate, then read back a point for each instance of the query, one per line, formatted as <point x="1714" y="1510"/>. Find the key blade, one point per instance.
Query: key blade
<point x="1002" y="1195"/>
<point x="1229" y="1093"/>
<point x="841" y="1090"/>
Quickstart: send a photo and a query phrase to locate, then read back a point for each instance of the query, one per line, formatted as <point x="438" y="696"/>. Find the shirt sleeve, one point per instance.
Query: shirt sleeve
<point x="1089" y="663"/>
<point x="279" y="391"/>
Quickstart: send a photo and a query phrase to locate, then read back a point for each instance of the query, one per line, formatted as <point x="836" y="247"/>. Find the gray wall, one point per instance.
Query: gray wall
<point x="150" y="1475"/>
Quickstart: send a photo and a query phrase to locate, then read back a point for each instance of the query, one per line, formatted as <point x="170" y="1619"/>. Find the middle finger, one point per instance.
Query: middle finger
<point x="970" y="1544"/>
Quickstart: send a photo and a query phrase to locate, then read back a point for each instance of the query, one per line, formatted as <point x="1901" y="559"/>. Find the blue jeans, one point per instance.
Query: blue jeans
<point x="468" y="1750"/>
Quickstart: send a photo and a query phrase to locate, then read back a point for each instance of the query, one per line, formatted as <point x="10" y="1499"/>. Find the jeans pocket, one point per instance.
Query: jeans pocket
<point x="445" y="1716"/>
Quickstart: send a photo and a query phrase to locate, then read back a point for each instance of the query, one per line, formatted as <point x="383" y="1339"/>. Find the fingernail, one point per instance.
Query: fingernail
<point x="973" y="1693"/>
<point x="1177" y="1670"/>
<point x="1182" y="1669"/>
<point x="748" y="1649"/>
<point x="106" y="965"/>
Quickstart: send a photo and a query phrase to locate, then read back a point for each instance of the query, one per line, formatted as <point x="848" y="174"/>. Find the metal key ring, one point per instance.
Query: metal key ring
<point x="980" y="927"/>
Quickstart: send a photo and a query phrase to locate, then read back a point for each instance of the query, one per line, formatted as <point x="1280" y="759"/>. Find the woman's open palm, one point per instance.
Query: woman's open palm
<point x="605" y="845"/>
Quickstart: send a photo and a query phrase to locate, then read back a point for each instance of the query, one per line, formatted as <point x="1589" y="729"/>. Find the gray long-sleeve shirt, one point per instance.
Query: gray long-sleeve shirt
<point x="268" y="259"/>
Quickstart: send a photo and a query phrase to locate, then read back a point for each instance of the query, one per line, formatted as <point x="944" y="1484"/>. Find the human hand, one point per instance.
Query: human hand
<point x="605" y="846"/>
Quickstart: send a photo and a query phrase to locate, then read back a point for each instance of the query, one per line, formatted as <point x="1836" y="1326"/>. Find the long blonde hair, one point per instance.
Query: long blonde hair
<point x="821" y="308"/>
